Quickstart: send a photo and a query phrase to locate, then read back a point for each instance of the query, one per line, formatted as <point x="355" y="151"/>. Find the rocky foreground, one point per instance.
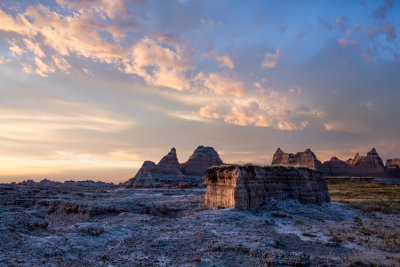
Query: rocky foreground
<point x="87" y="224"/>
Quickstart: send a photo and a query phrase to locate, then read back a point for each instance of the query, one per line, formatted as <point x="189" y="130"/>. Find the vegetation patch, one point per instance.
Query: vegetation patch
<point x="368" y="197"/>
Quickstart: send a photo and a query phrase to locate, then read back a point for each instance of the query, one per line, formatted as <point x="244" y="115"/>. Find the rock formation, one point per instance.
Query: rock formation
<point x="201" y="159"/>
<point x="354" y="160"/>
<point x="170" y="173"/>
<point x="393" y="166"/>
<point x="169" y="164"/>
<point x="246" y="187"/>
<point x="337" y="167"/>
<point x="306" y="158"/>
<point x="370" y="165"/>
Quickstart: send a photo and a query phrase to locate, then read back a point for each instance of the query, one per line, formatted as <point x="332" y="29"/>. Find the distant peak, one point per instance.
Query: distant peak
<point x="173" y="150"/>
<point x="373" y="151"/>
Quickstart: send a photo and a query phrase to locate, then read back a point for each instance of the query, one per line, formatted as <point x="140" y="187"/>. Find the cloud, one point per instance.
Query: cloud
<point x="296" y="90"/>
<point x="189" y="116"/>
<point x="270" y="60"/>
<point x="27" y="68"/>
<point x="347" y="42"/>
<point x="253" y="114"/>
<point x="34" y="47"/>
<point x="158" y="65"/>
<point x="357" y="28"/>
<point x="283" y="28"/>
<point x="223" y="60"/>
<point x="4" y="60"/>
<point x="390" y="31"/>
<point x="111" y="9"/>
<point x="340" y="22"/>
<point x="80" y="33"/>
<point x="42" y="68"/>
<point x="15" y="49"/>
<point x="221" y="84"/>
<point x="61" y="63"/>
<point x="372" y="32"/>
<point x="328" y="26"/>
<point x="19" y="24"/>
<point x="213" y="110"/>
<point x="381" y="12"/>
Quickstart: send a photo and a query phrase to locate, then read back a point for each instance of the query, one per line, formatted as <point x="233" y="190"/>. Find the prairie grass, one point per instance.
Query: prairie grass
<point x="367" y="197"/>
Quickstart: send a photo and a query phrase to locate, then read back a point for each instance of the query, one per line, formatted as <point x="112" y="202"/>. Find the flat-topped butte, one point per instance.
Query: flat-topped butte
<point x="249" y="186"/>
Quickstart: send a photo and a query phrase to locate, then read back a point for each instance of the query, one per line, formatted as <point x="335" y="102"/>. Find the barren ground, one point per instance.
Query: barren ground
<point x="108" y="226"/>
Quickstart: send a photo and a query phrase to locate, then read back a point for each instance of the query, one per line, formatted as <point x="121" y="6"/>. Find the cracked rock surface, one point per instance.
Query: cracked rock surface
<point x="107" y="226"/>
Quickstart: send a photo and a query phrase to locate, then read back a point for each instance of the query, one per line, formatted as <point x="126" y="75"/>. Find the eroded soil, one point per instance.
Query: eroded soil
<point x="108" y="226"/>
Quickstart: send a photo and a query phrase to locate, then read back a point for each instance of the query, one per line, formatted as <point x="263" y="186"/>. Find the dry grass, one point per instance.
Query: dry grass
<point x="368" y="198"/>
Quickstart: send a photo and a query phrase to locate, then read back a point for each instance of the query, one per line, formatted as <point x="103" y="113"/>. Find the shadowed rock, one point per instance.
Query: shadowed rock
<point x="246" y="187"/>
<point x="170" y="173"/>
<point x="201" y="159"/>
<point x="370" y="165"/>
<point x="169" y="164"/>
<point x="393" y="166"/>
<point x="337" y="167"/>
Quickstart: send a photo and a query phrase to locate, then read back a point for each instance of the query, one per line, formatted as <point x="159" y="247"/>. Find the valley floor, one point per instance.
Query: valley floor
<point x="108" y="226"/>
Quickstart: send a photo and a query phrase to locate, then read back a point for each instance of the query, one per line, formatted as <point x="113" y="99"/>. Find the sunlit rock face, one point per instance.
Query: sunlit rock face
<point x="393" y="166"/>
<point x="247" y="187"/>
<point x="305" y="158"/>
<point x="170" y="173"/>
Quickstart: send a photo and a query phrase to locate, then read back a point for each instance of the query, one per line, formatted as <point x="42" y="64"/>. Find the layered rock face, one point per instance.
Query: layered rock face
<point x="169" y="164"/>
<point x="306" y="158"/>
<point x="393" y="166"/>
<point x="246" y="187"/>
<point x="170" y="173"/>
<point x="370" y="165"/>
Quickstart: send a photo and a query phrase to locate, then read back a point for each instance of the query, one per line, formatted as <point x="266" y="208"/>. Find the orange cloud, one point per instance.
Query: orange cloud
<point x="221" y="84"/>
<point x="34" y="47"/>
<point x="158" y="65"/>
<point x="15" y="49"/>
<point x="253" y="114"/>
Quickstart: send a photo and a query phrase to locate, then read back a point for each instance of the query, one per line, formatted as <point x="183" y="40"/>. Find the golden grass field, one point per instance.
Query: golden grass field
<point x="367" y="197"/>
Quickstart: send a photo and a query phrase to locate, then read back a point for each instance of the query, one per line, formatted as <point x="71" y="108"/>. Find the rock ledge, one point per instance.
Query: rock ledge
<point x="250" y="186"/>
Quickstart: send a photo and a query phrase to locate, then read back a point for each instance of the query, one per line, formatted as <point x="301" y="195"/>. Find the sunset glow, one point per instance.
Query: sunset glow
<point x="91" y="89"/>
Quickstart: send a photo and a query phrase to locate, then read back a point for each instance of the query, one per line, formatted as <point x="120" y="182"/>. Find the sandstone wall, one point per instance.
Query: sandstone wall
<point x="305" y="158"/>
<point x="246" y="187"/>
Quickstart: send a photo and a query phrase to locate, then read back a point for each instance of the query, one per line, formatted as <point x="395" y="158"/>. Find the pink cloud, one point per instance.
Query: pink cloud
<point x="347" y="42"/>
<point x="223" y="60"/>
<point x="390" y="31"/>
<point x="270" y="60"/>
<point x="221" y="84"/>
<point x="254" y="114"/>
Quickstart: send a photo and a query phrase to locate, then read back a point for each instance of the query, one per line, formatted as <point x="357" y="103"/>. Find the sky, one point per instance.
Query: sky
<point x="89" y="89"/>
